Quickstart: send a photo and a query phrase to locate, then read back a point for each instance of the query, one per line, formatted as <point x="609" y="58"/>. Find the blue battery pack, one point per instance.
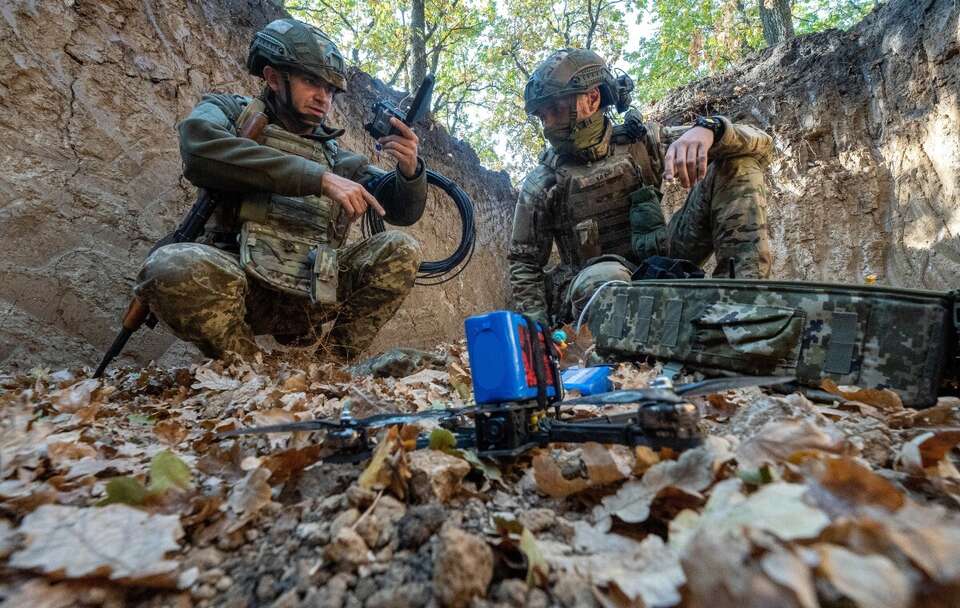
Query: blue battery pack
<point x="500" y="361"/>
<point x="587" y="380"/>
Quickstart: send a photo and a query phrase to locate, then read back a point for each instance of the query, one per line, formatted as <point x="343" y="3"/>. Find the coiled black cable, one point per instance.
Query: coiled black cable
<point x="440" y="271"/>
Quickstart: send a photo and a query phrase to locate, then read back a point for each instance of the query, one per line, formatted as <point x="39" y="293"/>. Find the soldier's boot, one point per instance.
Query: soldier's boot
<point x="198" y="292"/>
<point x="588" y="281"/>
<point x="725" y="214"/>
<point x="376" y="275"/>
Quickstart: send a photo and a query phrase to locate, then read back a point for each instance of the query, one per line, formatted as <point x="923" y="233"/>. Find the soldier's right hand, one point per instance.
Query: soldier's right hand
<point x="353" y="197"/>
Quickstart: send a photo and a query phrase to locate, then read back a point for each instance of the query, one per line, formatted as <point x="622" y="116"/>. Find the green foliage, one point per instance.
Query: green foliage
<point x="167" y="472"/>
<point x="124" y="490"/>
<point x="482" y="51"/>
<point x="696" y="38"/>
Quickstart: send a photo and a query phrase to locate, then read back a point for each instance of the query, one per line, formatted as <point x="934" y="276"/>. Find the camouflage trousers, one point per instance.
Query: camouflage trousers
<point x="203" y="295"/>
<point x="724" y="215"/>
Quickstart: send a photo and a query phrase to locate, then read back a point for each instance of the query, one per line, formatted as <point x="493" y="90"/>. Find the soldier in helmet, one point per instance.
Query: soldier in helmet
<point x="274" y="259"/>
<point x="596" y="190"/>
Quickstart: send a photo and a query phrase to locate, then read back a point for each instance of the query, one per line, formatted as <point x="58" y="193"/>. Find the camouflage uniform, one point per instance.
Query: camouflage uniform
<point x="202" y="292"/>
<point x="615" y="183"/>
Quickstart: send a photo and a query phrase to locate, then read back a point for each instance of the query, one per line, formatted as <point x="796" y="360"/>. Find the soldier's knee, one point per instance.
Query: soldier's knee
<point x="400" y="248"/>
<point x="182" y="268"/>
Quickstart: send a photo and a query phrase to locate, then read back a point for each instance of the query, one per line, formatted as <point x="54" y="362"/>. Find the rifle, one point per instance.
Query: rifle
<point x="138" y="313"/>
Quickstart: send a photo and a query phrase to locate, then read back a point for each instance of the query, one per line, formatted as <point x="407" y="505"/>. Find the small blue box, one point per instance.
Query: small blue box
<point x="587" y="380"/>
<point x="501" y="367"/>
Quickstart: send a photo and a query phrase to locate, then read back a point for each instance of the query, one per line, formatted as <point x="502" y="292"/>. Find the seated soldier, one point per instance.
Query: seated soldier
<point x="273" y="261"/>
<point x="596" y="191"/>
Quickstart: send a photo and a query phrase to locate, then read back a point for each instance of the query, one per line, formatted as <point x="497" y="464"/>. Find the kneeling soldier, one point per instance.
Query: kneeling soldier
<point x="273" y="261"/>
<point x="596" y="191"/>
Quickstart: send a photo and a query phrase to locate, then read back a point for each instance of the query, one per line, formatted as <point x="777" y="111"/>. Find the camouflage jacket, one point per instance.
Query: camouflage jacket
<point x="535" y="223"/>
<point x="216" y="159"/>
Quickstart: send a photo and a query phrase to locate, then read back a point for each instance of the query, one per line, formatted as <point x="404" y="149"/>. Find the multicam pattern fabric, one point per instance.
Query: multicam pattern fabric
<point x="723" y="215"/>
<point x="860" y="335"/>
<point x="203" y="295"/>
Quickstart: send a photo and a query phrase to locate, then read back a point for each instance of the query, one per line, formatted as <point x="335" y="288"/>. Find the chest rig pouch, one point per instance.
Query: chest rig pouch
<point x="594" y="206"/>
<point x="290" y="243"/>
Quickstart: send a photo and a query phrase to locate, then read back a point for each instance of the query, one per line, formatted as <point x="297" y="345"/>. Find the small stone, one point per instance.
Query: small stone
<point x="312" y="534"/>
<point x="331" y="503"/>
<point x="289" y="599"/>
<point x="348" y="550"/>
<point x="410" y="595"/>
<point x="265" y="587"/>
<point x="512" y="592"/>
<point x="224" y="583"/>
<point x="380" y="525"/>
<point x="537" y="598"/>
<point x="344" y="520"/>
<point x="538" y="520"/>
<point x="571" y="591"/>
<point x="359" y="497"/>
<point x="205" y="558"/>
<point x="251" y="534"/>
<point x="211" y="576"/>
<point x="419" y="524"/>
<point x="436" y="475"/>
<point x="204" y="592"/>
<point x="462" y="568"/>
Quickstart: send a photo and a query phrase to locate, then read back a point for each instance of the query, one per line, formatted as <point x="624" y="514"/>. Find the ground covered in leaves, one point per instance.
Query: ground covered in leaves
<point x="120" y="492"/>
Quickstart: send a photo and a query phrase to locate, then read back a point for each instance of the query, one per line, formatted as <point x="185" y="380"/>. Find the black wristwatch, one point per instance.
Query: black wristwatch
<point x="713" y="123"/>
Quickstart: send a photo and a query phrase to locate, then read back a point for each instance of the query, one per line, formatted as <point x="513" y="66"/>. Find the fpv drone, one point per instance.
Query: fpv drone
<point x="520" y="404"/>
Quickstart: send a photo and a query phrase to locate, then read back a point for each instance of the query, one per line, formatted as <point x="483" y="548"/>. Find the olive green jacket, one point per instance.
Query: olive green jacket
<point x="216" y="159"/>
<point x="538" y="218"/>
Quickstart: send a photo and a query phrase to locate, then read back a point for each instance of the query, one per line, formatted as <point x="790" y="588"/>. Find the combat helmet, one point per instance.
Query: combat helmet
<point x="294" y="45"/>
<point x="570" y="71"/>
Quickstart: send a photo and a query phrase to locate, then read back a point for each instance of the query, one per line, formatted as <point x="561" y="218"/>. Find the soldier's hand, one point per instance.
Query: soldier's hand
<point x="402" y="148"/>
<point x="353" y="197"/>
<point x="687" y="157"/>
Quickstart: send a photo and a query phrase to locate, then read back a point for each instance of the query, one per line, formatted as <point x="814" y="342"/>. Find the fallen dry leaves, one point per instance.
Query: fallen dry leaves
<point x="787" y="503"/>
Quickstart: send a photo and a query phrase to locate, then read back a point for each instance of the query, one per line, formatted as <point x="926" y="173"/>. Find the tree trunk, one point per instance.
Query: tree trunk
<point x="777" y="20"/>
<point x="418" y="45"/>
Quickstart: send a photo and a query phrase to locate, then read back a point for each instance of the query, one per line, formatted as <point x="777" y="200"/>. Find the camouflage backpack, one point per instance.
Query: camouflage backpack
<point x="869" y="336"/>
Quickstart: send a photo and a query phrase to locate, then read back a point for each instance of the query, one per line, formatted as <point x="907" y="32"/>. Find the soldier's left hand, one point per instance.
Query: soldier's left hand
<point x="687" y="157"/>
<point x="402" y="147"/>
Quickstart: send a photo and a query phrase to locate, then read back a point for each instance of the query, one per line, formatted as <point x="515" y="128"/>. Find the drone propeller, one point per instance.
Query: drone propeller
<point x="665" y="395"/>
<point x="626" y="396"/>
<point x="370" y="422"/>
<point x="718" y="385"/>
<point x="286" y="427"/>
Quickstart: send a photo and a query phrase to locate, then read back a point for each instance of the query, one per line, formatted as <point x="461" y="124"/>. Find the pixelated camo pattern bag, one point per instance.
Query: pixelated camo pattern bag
<point x="867" y="336"/>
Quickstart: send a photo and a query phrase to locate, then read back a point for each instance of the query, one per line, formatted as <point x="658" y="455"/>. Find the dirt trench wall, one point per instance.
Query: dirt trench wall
<point x="90" y="171"/>
<point x="866" y="123"/>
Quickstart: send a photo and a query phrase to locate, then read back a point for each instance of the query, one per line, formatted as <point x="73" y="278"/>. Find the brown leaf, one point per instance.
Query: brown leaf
<point x="930" y="537"/>
<point x="777" y="441"/>
<point x="850" y="485"/>
<point x="602" y="465"/>
<point x="126" y="545"/>
<point x="692" y="473"/>
<point x="248" y="497"/>
<point x="288" y="462"/>
<point x="872" y="581"/>
<point x="884" y="399"/>
<point x="170" y="432"/>
<point x="647" y="573"/>
<point x="787" y="569"/>
<point x="388" y="467"/>
<point x="76" y="397"/>
<point x="65" y="452"/>
<point x="550" y="480"/>
<point x="927" y="450"/>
